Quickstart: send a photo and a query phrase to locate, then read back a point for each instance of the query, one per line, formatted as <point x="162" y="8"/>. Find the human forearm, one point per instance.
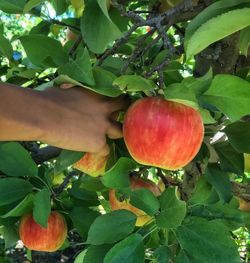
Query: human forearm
<point x="73" y="119"/>
<point x="20" y="114"/>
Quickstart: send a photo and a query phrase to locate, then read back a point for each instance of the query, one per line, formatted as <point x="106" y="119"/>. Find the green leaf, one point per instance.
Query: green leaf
<point x="173" y="210"/>
<point x="79" y="258"/>
<point x="16" y="161"/>
<point x="238" y="135"/>
<point x="10" y="236"/>
<point x="97" y="30"/>
<point x="60" y="6"/>
<point x="129" y="250"/>
<point x="134" y="83"/>
<point x="220" y="181"/>
<point x="111" y="227"/>
<point x="199" y="85"/>
<point x="211" y="32"/>
<point x="207" y="241"/>
<point x="224" y="212"/>
<point x="162" y="254"/>
<point x="94" y="254"/>
<point x="244" y="41"/>
<point x="13" y="189"/>
<point x="42" y="207"/>
<point x="145" y="200"/>
<point x="22" y="208"/>
<point x="103" y="5"/>
<point x="104" y="83"/>
<point x="201" y="192"/>
<point x="180" y="93"/>
<point x="82" y="218"/>
<point x="183" y="257"/>
<point x="31" y="4"/>
<point x="209" y="12"/>
<point x="5" y="47"/>
<point x="77" y="191"/>
<point x="118" y="176"/>
<point x="79" y="69"/>
<point x="42" y="28"/>
<point x="206" y="116"/>
<point x="230" y="159"/>
<point x="12" y="6"/>
<point x="66" y="159"/>
<point x="226" y="93"/>
<point x="51" y="52"/>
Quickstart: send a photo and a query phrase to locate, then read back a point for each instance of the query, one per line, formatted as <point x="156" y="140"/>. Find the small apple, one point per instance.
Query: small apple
<point x="92" y="164"/>
<point x="135" y="183"/>
<point x="247" y="162"/>
<point x="162" y="133"/>
<point x="70" y="35"/>
<point x="36" y="237"/>
<point x="244" y="205"/>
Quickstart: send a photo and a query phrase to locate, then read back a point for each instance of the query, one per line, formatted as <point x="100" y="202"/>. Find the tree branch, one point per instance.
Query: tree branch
<point x="45" y="154"/>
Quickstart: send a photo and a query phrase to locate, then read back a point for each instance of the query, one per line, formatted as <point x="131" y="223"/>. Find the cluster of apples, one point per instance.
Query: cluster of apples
<point x="157" y="132"/>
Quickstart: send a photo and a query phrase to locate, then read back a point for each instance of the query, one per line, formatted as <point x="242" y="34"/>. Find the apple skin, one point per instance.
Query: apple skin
<point x="49" y="239"/>
<point x="70" y="35"/>
<point x="135" y="183"/>
<point x="162" y="133"/>
<point x="247" y="162"/>
<point x="92" y="164"/>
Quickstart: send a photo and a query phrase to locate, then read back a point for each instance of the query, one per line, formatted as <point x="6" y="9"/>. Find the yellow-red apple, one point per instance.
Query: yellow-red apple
<point x="162" y="133"/>
<point x="36" y="237"/>
<point x="135" y="183"/>
<point x="92" y="164"/>
<point x="70" y="35"/>
<point x="247" y="162"/>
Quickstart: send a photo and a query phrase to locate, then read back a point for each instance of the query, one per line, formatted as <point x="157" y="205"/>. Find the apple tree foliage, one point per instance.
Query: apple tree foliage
<point x="195" y="52"/>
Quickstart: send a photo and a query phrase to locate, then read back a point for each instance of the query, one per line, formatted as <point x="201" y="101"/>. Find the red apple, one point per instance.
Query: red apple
<point x="49" y="239"/>
<point x="92" y="164"/>
<point x="162" y="133"/>
<point x="135" y="183"/>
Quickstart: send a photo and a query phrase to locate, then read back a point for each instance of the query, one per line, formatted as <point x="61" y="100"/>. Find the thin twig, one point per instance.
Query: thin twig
<point x="75" y="46"/>
<point x="119" y="42"/>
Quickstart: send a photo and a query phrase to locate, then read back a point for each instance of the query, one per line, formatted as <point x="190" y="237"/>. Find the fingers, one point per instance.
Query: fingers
<point x="115" y="131"/>
<point x="66" y="86"/>
<point x="120" y="103"/>
<point x="104" y="151"/>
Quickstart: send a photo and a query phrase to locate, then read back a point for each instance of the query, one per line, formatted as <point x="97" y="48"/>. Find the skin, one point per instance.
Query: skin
<point x="69" y="118"/>
<point x="92" y="164"/>
<point x="135" y="183"/>
<point x="170" y="133"/>
<point x="38" y="238"/>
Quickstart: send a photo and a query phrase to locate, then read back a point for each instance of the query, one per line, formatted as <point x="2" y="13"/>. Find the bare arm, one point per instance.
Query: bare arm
<point x="74" y="119"/>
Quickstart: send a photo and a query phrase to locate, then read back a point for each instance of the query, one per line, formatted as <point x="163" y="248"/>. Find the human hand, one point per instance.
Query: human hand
<point x="78" y="119"/>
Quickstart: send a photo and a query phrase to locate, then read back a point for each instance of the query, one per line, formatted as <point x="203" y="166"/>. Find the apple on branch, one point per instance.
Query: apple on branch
<point x="92" y="164"/>
<point x="36" y="237"/>
<point x="162" y="133"/>
<point x="135" y="183"/>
